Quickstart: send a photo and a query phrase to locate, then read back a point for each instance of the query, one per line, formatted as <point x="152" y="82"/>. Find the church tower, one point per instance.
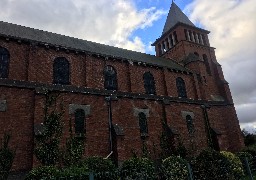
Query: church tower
<point x="188" y="45"/>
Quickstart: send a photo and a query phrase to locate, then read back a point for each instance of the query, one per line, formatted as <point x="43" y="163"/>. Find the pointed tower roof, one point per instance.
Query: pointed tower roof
<point x="175" y="16"/>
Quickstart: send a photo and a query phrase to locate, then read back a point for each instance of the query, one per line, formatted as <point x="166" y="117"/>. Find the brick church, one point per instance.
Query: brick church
<point x="118" y="99"/>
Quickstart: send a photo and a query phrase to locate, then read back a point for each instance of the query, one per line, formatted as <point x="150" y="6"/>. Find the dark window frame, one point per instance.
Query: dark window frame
<point x="61" y="71"/>
<point x="110" y="78"/>
<point x="143" y="124"/>
<point x="80" y="122"/>
<point x="4" y="62"/>
<point x="181" y="87"/>
<point x="190" y="124"/>
<point x="149" y="83"/>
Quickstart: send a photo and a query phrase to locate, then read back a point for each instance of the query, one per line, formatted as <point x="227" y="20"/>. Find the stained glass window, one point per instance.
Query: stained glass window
<point x="79" y="121"/>
<point x="110" y="78"/>
<point x="181" y="87"/>
<point x="149" y="83"/>
<point x="61" y="71"/>
<point x="4" y="62"/>
<point x="143" y="123"/>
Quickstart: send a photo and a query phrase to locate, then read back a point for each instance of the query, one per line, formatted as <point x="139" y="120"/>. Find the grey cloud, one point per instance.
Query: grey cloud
<point x="232" y="25"/>
<point x="106" y="21"/>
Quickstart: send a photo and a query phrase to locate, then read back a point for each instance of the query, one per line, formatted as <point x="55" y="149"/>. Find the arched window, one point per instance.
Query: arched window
<point x="61" y="71"/>
<point x="79" y="121"/>
<point x="143" y="123"/>
<point x="190" y="124"/>
<point x="110" y="78"/>
<point x="149" y="83"/>
<point x="208" y="69"/>
<point x="181" y="88"/>
<point x="4" y="62"/>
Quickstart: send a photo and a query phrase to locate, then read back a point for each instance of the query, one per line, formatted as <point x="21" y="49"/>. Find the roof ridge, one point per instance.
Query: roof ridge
<point x="37" y="35"/>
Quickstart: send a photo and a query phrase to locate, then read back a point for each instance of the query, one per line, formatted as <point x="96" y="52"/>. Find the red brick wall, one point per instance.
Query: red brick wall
<point x="35" y="64"/>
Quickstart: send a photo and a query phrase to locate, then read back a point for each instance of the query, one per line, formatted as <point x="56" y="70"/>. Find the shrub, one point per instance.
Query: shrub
<point x="174" y="168"/>
<point x="211" y="165"/>
<point x="74" y="151"/>
<point x="236" y="164"/>
<point x="135" y="168"/>
<point x="75" y="172"/>
<point x="6" y="157"/>
<point x="43" y="173"/>
<point x="102" y="168"/>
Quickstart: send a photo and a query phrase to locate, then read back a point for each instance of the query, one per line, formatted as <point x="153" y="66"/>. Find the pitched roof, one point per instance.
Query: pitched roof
<point x="30" y="34"/>
<point x="175" y="16"/>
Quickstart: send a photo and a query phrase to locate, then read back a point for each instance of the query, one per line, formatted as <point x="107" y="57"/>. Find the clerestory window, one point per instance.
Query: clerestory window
<point x="4" y="62"/>
<point x="149" y="83"/>
<point x="110" y="76"/>
<point x="61" y="71"/>
<point x="181" y="87"/>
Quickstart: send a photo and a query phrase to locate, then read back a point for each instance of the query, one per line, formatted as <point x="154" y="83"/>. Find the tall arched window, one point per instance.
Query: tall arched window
<point x="208" y="69"/>
<point x="110" y="76"/>
<point x="79" y="121"/>
<point x="190" y="124"/>
<point x="143" y="123"/>
<point x="61" y="71"/>
<point x="4" y="62"/>
<point x="149" y="83"/>
<point x="181" y="87"/>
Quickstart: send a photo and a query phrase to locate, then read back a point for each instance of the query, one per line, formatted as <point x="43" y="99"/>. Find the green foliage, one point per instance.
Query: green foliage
<point x="236" y="164"/>
<point x="211" y="165"/>
<point x="74" y="151"/>
<point x="174" y="168"/>
<point x="74" y="171"/>
<point x="138" y="168"/>
<point x="47" y="144"/>
<point x="102" y="168"/>
<point x="43" y="173"/>
<point x="249" y="138"/>
<point x="6" y="157"/>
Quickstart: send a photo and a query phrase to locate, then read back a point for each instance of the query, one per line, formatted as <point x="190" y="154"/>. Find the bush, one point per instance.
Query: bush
<point x="135" y="168"/>
<point x="75" y="171"/>
<point x="236" y="164"/>
<point x="174" y="168"/>
<point x="74" y="151"/>
<point x="102" y="168"/>
<point x="43" y="173"/>
<point x="6" y="157"/>
<point x="211" y="165"/>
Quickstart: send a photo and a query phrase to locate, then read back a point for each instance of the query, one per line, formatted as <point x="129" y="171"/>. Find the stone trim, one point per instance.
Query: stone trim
<point x="136" y="112"/>
<point x="74" y="107"/>
<point x="185" y="113"/>
<point x="3" y="105"/>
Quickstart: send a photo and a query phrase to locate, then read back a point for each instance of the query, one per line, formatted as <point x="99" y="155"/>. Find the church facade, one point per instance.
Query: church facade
<point x="118" y="99"/>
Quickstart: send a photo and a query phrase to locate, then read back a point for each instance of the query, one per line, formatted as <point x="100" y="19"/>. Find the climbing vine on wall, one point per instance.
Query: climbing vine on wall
<point x="47" y="142"/>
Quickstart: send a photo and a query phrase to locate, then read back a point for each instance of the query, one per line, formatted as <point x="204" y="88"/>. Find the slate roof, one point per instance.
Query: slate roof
<point x="175" y="16"/>
<point x="30" y="34"/>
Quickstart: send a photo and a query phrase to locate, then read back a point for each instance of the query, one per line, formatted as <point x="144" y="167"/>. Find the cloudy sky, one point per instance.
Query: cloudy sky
<point x="135" y="24"/>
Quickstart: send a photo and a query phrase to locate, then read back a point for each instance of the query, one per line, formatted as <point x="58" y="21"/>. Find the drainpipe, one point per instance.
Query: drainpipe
<point x="207" y="124"/>
<point x="108" y="99"/>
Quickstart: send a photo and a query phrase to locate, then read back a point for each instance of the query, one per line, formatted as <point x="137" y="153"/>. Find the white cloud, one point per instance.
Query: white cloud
<point x="110" y="22"/>
<point x="232" y="24"/>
